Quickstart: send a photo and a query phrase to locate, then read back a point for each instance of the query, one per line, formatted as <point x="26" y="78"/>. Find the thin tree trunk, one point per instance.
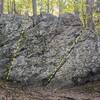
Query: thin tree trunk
<point x="8" y="6"/>
<point x="60" y="7"/>
<point x="14" y="7"/>
<point x="48" y="6"/>
<point x="34" y="5"/>
<point x="76" y="10"/>
<point x="97" y="7"/>
<point x="1" y="6"/>
<point x="83" y="14"/>
<point x="89" y="13"/>
<point x="41" y="6"/>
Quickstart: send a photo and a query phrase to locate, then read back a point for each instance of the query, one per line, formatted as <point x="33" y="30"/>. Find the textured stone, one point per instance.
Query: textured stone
<point x="39" y="51"/>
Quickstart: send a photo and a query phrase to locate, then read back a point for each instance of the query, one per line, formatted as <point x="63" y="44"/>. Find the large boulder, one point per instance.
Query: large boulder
<point x="31" y="54"/>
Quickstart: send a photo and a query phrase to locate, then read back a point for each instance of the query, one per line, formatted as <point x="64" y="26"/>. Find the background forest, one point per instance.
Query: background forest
<point x="87" y="10"/>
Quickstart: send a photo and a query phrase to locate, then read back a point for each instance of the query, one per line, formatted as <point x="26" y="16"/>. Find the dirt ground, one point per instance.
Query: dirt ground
<point x="90" y="91"/>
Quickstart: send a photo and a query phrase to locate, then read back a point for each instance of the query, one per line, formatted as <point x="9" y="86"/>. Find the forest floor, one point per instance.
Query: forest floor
<point x="90" y="91"/>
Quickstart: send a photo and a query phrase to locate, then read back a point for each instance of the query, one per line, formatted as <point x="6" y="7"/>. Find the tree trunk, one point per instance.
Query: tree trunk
<point x="14" y="7"/>
<point x="41" y="6"/>
<point x="8" y="6"/>
<point x="48" y="6"/>
<point x="89" y="13"/>
<point x="34" y="5"/>
<point x="83" y="14"/>
<point x="97" y="7"/>
<point x="1" y="6"/>
<point x="76" y="10"/>
<point x="60" y="7"/>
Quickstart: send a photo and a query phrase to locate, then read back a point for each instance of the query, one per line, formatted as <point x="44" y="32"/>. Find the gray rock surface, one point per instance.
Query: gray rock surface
<point x="29" y="54"/>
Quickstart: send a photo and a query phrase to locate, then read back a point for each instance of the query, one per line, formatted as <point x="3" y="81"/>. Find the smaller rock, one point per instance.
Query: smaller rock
<point x="70" y="98"/>
<point x="85" y="99"/>
<point x="2" y="97"/>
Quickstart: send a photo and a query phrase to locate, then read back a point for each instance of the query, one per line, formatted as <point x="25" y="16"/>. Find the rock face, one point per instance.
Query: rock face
<point x="30" y="54"/>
